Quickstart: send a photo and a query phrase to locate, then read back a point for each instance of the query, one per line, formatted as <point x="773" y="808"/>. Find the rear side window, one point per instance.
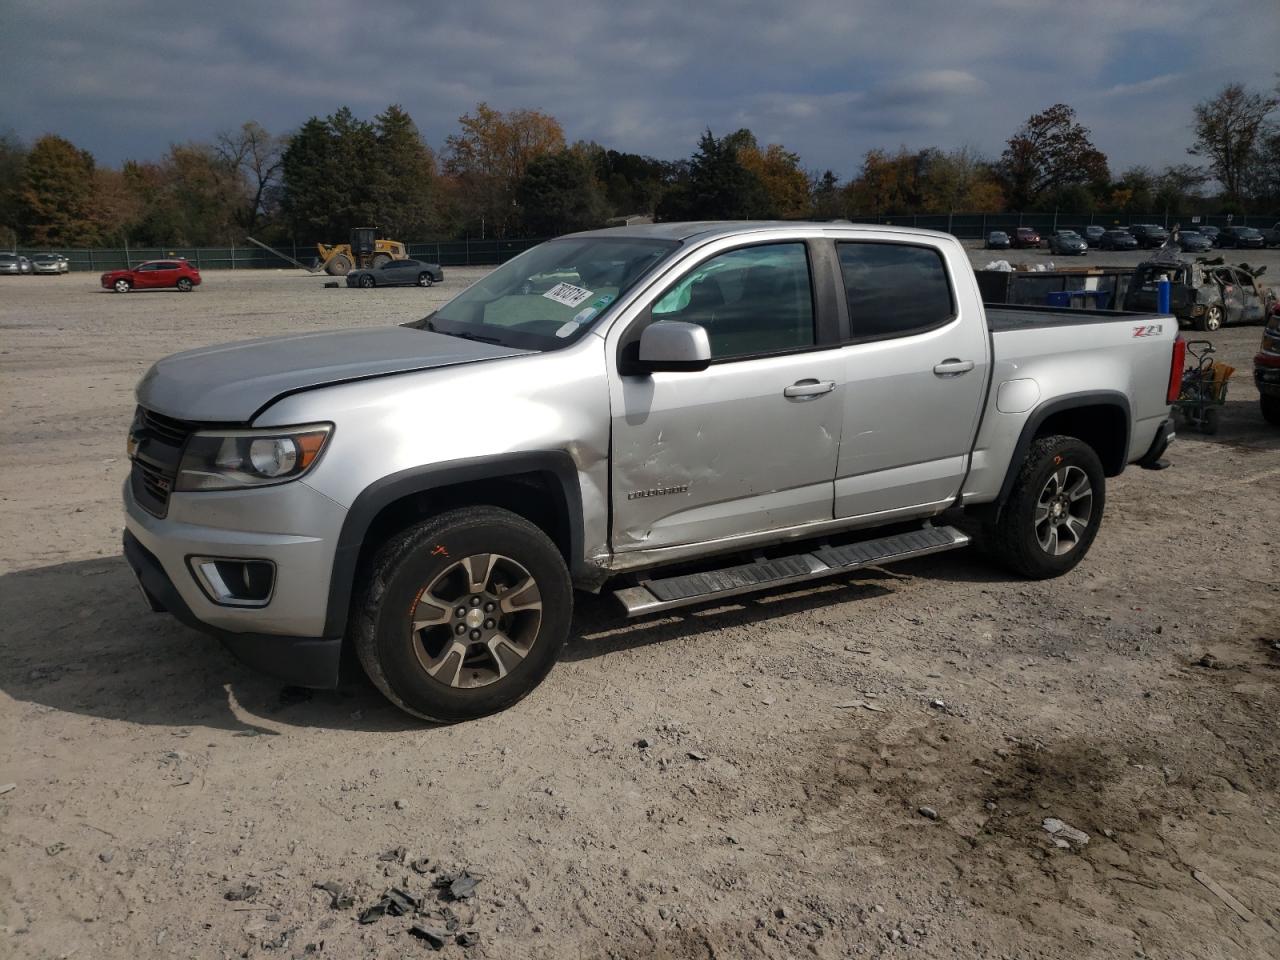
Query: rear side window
<point x="894" y="289"/>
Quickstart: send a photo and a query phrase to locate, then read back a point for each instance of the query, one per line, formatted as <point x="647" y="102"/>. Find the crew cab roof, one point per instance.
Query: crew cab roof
<point x="709" y="229"/>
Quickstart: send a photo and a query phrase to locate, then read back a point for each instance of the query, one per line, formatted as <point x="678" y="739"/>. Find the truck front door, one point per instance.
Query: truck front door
<point x="751" y="443"/>
<point x="915" y="375"/>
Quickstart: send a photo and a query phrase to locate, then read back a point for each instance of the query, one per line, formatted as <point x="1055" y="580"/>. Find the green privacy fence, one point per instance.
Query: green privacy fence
<point x="448" y="253"/>
<point x="467" y="253"/>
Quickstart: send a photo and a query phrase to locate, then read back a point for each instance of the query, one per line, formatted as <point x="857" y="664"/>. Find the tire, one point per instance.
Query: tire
<point x="1017" y="540"/>
<point x="506" y="656"/>
<point x="1212" y="319"/>
<point x="366" y="281"/>
<point x="424" y="280"/>
<point x="184" y="284"/>
<point x="122" y="286"/>
<point x="379" y="260"/>
<point x="1270" y="409"/>
<point x="338" y="265"/>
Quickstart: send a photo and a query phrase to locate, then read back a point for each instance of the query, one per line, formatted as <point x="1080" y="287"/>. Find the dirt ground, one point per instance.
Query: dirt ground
<point x="793" y="738"/>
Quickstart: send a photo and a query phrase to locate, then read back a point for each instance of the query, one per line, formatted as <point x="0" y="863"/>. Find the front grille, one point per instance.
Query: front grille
<point x="158" y="453"/>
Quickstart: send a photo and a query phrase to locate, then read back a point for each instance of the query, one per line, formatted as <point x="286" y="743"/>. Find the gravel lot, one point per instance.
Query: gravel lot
<point x="792" y="738"/>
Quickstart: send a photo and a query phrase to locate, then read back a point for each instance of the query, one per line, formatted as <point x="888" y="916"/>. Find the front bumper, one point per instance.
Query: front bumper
<point x="286" y="637"/>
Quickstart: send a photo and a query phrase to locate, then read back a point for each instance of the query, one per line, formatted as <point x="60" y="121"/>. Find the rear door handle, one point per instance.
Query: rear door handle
<point x="807" y="389"/>
<point x="952" y="367"/>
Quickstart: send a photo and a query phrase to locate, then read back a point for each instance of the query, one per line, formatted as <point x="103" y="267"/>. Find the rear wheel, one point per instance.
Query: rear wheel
<point x="1053" y="512"/>
<point x="464" y="614"/>
<point x="424" y="280"/>
<point x="366" y="281"/>
<point x="184" y="284"/>
<point x="1211" y="320"/>
<point x="1270" y="409"/>
<point x="122" y="286"/>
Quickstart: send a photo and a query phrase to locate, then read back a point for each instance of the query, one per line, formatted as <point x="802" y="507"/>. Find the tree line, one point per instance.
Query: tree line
<point x="514" y="173"/>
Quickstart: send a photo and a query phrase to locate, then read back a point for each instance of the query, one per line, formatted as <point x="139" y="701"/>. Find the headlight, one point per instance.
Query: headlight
<point x="232" y="459"/>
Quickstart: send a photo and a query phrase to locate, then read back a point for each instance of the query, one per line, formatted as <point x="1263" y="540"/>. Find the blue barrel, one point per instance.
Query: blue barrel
<point x="1163" y="291"/>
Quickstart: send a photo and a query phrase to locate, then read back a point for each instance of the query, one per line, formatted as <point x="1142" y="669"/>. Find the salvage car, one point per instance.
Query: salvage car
<point x="1204" y="293"/>
<point x="1068" y="243"/>
<point x="675" y="413"/>
<point x="153" y="275"/>
<point x="1241" y="237"/>
<point x="997" y="240"/>
<point x="1149" y="235"/>
<point x="1266" y="369"/>
<point x="397" y="273"/>
<point x="48" y="263"/>
<point x="1024" y="238"/>
<point x="1118" y="240"/>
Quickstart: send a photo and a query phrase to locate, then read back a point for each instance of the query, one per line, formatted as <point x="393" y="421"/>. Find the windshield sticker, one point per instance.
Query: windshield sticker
<point x="603" y="301"/>
<point x="568" y="294"/>
<point x="568" y="329"/>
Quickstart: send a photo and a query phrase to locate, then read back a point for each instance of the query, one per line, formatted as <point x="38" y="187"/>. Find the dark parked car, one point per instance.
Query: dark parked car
<point x="1025" y="237"/>
<point x="1241" y="237"/>
<point x="1068" y="243"/>
<point x="1210" y="232"/>
<point x="397" y="273"/>
<point x="153" y="275"/>
<point x="997" y="240"/>
<point x="1093" y="234"/>
<point x="1149" y="235"/>
<point x="1266" y="369"/>
<point x="1118" y="240"/>
<point x="1271" y="235"/>
<point x="1193" y="241"/>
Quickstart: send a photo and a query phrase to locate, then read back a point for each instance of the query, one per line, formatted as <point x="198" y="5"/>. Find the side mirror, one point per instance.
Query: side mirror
<point x="673" y="345"/>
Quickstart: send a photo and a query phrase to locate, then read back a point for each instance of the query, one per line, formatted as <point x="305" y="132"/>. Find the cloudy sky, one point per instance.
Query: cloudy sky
<point x="828" y="78"/>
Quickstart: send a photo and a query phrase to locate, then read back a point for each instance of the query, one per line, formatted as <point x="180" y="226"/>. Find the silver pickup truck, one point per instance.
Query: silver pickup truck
<point x="676" y="413"/>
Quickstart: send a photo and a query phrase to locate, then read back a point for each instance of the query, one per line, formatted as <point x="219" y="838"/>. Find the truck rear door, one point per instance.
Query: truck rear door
<point x="915" y="374"/>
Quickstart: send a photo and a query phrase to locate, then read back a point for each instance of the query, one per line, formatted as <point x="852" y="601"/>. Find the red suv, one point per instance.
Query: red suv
<point x="176" y="274"/>
<point x="1024" y="237"/>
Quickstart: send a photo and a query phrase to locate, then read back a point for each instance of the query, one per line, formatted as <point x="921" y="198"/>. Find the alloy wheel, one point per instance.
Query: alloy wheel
<point x="1063" y="510"/>
<point x="476" y="621"/>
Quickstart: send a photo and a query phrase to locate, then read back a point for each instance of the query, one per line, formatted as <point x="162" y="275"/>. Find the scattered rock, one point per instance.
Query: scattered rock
<point x="394" y="902"/>
<point x="56" y="848"/>
<point x="989" y="806"/>
<point x="7" y="787"/>
<point x="435" y="939"/>
<point x="396" y="854"/>
<point x="401" y="804"/>
<point x="643" y="744"/>
<point x="242" y="891"/>
<point x="928" y="813"/>
<point x="463" y="887"/>
<point x="695" y="755"/>
<point x="780" y="913"/>
<point x="340" y="898"/>
<point x="469" y="938"/>
<point x="1063" y="834"/>
<point x="421" y="865"/>
<point x="1209" y="662"/>
<point x="106" y="856"/>
<point x="938" y="704"/>
<point x="664" y="913"/>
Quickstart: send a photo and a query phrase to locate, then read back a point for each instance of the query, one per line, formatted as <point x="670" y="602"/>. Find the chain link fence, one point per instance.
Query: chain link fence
<point x="469" y="253"/>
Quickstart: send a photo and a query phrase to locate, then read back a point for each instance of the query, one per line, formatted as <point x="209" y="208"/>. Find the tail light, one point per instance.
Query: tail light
<point x="1175" y="369"/>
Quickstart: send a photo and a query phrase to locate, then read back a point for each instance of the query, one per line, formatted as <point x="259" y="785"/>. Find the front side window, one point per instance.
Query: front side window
<point x="753" y="301"/>
<point x="894" y="289"/>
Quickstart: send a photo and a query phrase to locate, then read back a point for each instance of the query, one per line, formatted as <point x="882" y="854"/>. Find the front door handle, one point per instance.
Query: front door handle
<point x="952" y="367"/>
<point x="808" y="389"/>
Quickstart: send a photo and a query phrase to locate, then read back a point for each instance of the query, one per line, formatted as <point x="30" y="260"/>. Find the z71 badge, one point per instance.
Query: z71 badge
<point x="1148" y="330"/>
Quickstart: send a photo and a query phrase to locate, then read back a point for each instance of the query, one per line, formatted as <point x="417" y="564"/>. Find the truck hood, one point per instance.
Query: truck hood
<point x="231" y="382"/>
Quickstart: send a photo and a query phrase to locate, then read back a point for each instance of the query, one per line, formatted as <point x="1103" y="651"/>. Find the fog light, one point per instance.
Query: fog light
<point x="235" y="583"/>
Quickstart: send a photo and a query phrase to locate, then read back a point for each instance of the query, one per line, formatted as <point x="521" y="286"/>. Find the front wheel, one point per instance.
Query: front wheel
<point x="424" y="280"/>
<point x="366" y="281"/>
<point x="1053" y="512"/>
<point x="123" y="286"/>
<point x="464" y="614"/>
<point x="184" y="284"/>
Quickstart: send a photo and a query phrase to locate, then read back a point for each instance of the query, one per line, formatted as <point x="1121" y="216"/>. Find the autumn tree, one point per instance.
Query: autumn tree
<point x="887" y="184"/>
<point x="55" y="200"/>
<point x="258" y="156"/>
<point x="488" y="157"/>
<point x="779" y="173"/>
<point x="1050" y="151"/>
<point x="1228" y="129"/>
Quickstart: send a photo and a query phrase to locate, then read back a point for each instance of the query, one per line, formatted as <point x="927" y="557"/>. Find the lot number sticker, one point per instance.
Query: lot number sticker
<point x="568" y="294"/>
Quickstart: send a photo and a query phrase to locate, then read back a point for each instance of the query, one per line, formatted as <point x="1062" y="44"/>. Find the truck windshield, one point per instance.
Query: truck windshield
<point x="548" y="297"/>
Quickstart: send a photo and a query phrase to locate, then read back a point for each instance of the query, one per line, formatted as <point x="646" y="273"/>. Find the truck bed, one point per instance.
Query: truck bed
<point x="1004" y="317"/>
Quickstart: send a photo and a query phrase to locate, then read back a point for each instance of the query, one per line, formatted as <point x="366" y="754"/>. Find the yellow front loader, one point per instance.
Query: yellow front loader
<point x="364" y="250"/>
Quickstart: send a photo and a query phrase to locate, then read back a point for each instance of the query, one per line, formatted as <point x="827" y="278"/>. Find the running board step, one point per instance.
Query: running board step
<point x="653" y="596"/>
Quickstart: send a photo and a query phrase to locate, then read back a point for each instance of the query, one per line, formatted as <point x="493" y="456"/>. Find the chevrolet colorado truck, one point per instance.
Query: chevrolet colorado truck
<point x="676" y="413"/>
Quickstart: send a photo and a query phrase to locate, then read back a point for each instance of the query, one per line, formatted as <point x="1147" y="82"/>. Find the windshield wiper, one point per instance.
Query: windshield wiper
<point x="426" y="324"/>
<point x="476" y="337"/>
